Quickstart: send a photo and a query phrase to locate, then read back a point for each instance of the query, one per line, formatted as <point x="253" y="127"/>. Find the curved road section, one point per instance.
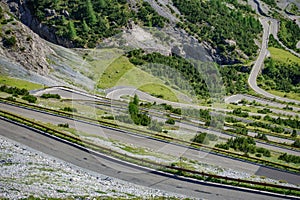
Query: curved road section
<point x="259" y="63"/>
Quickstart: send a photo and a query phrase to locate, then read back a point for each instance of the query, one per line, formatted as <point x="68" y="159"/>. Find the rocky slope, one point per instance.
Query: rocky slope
<point x="22" y="46"/>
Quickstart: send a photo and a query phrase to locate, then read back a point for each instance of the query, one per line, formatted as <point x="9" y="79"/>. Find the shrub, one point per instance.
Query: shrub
<point x="48" y="96"/>
<point x="170" y="121"/>
<point x="29" y="98"/>
<point x="66" y="125"/>
<point x="69" y="109"/>
<point x="289" y="158"/>
<point x="258" y="155"/>
<point x="10" y="98"/>
<point x="9" y="41"/>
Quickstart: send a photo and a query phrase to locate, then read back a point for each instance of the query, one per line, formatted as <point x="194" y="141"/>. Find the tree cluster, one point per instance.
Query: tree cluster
<point x="289" y="33"/>
<point x="13" y="90"/>
<point x="137" y="117"/>
<point x="283" y="76"/>
<point x="289" y="158"/>
<point x="293" y="123"/>
<point x="244" y="144"/>
<point x="215" y="22"/>
<point x="271" y="127"/>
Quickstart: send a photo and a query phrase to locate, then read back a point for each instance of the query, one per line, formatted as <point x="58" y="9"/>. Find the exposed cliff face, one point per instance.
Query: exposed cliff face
<point x="21" y="45"/>
<point x="21" y="10"/>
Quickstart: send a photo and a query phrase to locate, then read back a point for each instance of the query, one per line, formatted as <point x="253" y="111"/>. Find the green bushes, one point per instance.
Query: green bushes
<point x="29" y="98"/>
<point x="271" y="127"/>
<point x="66" y="125"/>
<point x="270" y="2"/>
<point x="264" y="111"/>
<point x="17" y="91"/>
<point x="171" y="109"/>
<point x="137" y="117"/>
<point x="204" y="138"/>
<point x="283" y="76"/>
<point x="293" y="123"/>
<point x="170" y="121"/>
<point x="13" y="90"/>
<point x="289" y="158"/>
<point x="240" y="113"/>
<point x="261" y="136"/>
<point x="69" y="109"/>
<point x="240" y="130"/>
<point x="48" y="96"/>
<point x="244" y="144"/>
<point x="289" y="33"/>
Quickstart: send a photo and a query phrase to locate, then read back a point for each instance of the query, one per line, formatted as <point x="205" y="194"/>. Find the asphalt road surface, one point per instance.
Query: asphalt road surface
<point x="137" y="175"/>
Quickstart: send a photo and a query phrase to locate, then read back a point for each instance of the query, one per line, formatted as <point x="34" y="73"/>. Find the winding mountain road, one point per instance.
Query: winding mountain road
<point x="129" y="172"/>
<point x="270" y="26"/>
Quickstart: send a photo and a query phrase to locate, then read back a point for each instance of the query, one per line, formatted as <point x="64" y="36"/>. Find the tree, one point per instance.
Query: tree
<point x="136" y="99"/>
<point x="86" y="28"/>
<point x="90" y="12"/>
<point x="72" y="32"/>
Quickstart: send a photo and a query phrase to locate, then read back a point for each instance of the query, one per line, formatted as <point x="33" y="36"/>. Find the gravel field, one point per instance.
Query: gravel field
<point x="25" y="172"/>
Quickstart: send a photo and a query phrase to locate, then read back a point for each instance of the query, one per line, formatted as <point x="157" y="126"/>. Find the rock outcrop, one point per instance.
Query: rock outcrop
<point x="20" y="9"/>
<point x="24" y="47"/>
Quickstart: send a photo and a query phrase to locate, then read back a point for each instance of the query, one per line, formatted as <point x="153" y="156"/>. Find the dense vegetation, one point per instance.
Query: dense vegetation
<point x="293" y="123"/>
<point x="289" y="33"/>
<point x="217" y="21"/>
<point x="29" y="98"/>
<point x="289" y="158"/>
<point x="273" y="42"/>
<point x="86" y="22"/>
<point x="190" y="75"/>
<point x="271" y="127"/>
<point x="16" y="92"/>
<point x="13" y="90"/>
<point x="244" y="144"/>
<point x="283" y="76"/>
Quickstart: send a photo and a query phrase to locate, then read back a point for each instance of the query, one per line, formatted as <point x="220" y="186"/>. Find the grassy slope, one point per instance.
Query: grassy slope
<point x="19" y="83"/>
<point x="122" y="73"/>
<point x="114" y="72"/>
<point x="158" y="89"/>
<point x="282" y="55"/>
